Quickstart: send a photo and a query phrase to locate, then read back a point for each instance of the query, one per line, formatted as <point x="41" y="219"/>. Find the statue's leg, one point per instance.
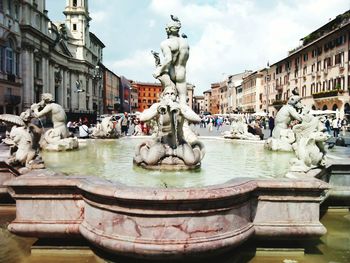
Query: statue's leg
<point x="187" y="154"/>
<point x="153" y="154"/>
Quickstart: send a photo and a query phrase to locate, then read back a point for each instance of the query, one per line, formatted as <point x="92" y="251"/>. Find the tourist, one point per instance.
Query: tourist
<point x="271" y="124"/>
<point x="210" y="124"/>
<point x="83" y="131"/>
<point x="327" y="124"/>
<point x="335" y="126"/>
<point x="125" y="124"/>
<point x="344" y="124"/>
<point x="137" y="127"/>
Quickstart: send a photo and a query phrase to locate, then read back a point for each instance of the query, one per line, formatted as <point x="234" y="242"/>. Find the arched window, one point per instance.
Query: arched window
<point x="303" y="91"/>
<point x="313" y="107"/>
<point x="347" y="108"/>
<point x="324" y="107"/>
<point x="330" y="84"/>
<point x="313" y="88"/>
<point x="335" y="107"/>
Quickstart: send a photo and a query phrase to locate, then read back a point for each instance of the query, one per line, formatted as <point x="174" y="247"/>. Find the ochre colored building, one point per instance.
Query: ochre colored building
<point x="148" y="93"/>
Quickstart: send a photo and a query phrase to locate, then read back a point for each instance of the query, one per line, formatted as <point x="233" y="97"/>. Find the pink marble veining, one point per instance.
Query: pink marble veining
<point x="158" y="223"/>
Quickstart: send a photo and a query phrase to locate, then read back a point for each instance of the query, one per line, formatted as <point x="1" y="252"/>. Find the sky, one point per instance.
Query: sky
<point x="225" y="36"/>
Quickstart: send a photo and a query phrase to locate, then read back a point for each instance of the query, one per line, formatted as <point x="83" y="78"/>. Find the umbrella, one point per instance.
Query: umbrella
<point x="13" y="119"/>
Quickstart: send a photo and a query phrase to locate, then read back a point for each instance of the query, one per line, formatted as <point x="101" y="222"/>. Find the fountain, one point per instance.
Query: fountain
<point x="164" y="221"/>
<point x="175" y="146"/>
<point x="239" y="130"/>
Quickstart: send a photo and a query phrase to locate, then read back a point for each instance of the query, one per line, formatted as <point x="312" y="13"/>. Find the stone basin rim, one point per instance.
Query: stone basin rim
<point x="106" y="188"/>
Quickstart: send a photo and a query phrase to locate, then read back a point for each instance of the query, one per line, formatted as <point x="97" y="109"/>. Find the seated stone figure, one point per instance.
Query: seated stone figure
<point x="169" y="147"/>
<point x="282" y="136"/>
<point x="23" y="140"/>
<point x="55" y="139"/>
<point x="239" y="130"/>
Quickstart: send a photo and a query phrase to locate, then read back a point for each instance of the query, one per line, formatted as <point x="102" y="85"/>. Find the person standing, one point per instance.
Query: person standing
<point x="335" y="126"/>
<point x="271" y="124"/>
<point x="125" y="124"/>
<point x="344" y="124"/>
<point x="327" y="124"/>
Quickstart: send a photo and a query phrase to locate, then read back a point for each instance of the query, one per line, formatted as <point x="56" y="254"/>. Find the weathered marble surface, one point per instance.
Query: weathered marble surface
<point x="6" y="173"/>
<point x="175" y="146"/>
<point x="239" y="130"/>
<point x="162" y="223"/>
<point x="105" y="129"/>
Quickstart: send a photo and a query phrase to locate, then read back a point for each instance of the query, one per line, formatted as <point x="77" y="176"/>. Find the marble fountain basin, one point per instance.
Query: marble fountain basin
<point x="160" y="222"/>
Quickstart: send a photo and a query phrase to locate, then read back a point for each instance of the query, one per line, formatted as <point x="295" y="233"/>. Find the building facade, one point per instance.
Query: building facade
<point x="60" y="58"/>
<point x="215" y="98"/>
<point x="111" y="92"/>
<point x="10" y="64"/>
<point x="147" y="94"/>
<point x="252" y="87"/>
<point x="318" y="69"/>
<point x="207" y="101"/>
<point x="198" y="104"/>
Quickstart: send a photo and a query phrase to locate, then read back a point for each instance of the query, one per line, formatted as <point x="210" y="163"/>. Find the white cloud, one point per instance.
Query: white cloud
<point x="225" y="37"/>
<point x="151" y="23"/>
<point x="139" y="66"/>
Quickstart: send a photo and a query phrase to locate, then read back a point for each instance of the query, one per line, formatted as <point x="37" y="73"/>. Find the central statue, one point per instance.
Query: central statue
<point x="175" y="146"/>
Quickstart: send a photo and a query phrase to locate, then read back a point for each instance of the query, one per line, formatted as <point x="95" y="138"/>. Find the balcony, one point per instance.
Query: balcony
<point x="12" y="99"/>
<point x="11" y="77"/>
<point x="327" y="93"/>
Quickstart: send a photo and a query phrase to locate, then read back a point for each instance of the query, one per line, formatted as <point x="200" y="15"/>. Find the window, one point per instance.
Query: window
<point x="305" y="57"/>
<point x="330" y="84"/>
<point x="339" y="58"/>
<point x="327" y="62"/>
<point x="303" y="91"/>
<point x="318" y="65"/>
<point x="75" y="4"/>
<point x="305" y="70"/>
<point x="2" y="58"/>
<point x="37" y="69"/>
<point x="9" y="7"/>
<point x="9" y="60"/>
<point x="314" y="53"/>
<point x="313" y="67"/>
<point x="74" y="27"/>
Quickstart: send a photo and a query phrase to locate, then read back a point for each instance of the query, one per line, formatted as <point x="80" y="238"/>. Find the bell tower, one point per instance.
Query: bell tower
<point x="77" y="21"/>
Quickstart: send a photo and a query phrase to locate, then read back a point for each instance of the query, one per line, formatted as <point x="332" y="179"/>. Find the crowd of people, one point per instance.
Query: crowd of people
<point x="127" y="124"/>
<point x="130" y="124"/>
<point x="255" y="123"/>
<point x="336" y="125"/>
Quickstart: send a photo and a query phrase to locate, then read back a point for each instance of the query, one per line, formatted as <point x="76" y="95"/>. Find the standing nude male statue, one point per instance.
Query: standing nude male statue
<point x="175" y="50"/>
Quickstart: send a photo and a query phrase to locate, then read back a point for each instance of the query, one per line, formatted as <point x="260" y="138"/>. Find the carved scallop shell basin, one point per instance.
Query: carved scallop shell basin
<point x="224" y="160"/>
